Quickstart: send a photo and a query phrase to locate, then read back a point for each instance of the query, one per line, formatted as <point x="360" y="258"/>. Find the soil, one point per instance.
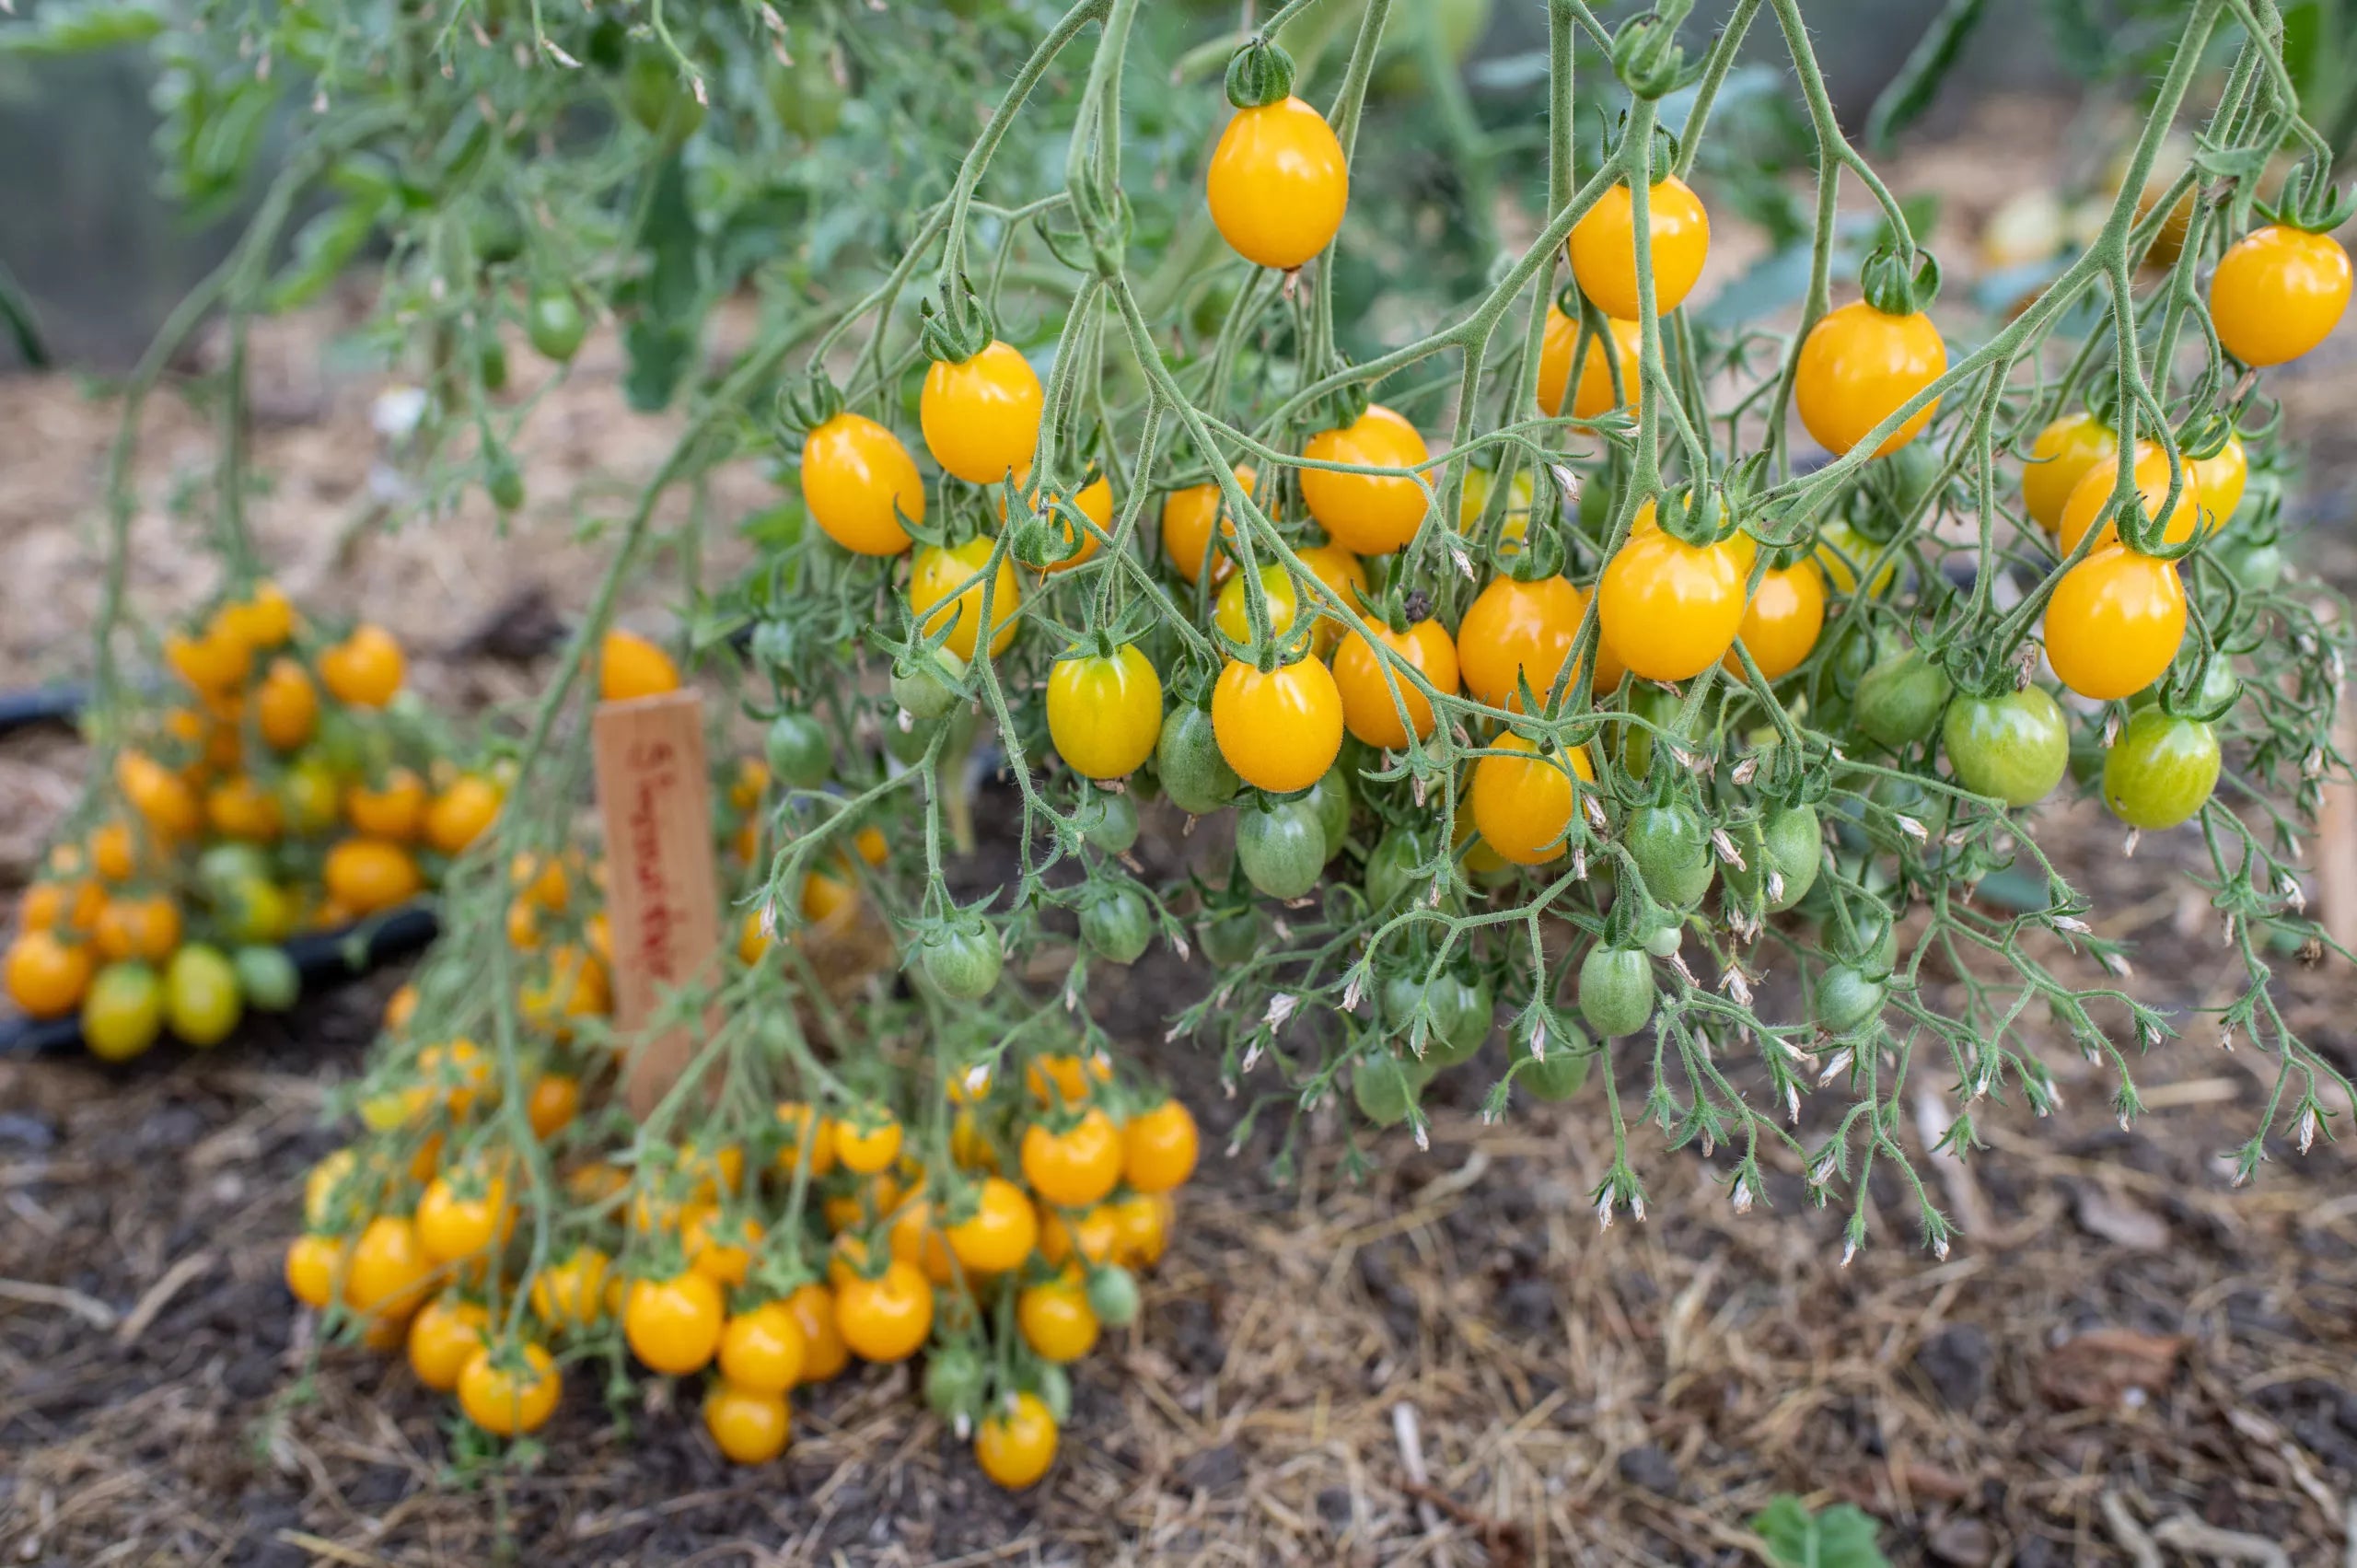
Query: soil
<point x="1448" y="1361"/>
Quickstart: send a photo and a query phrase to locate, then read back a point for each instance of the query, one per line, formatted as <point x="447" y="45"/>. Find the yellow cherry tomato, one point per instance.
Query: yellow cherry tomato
<point x="2091" y="499"/>
<point x="1620" y="346"/>
<point x="508" y="1400"/>
<point x="443" y="1337"/>
<point x="1604" y="247"/>
<point x="2220" y="477"/>
<point x="1233" y="614"/>
<point x="2114" y="623"/>
<point x="2278" y="292"/>
<point x="1188" y="514"/>
<point x="2059" y="458"/>
<point x="1344" y="577"/>
<point x="1104" y="712"/>
<point x="1782" y="621"/>
<point x="858" y="482"/>
<point x="1278" y="184"/>
<point x="1858" y="367"/>
<point x="938" y="580"/>
<point x="980" y="417"/>
<point x="1280" y="730"/>
<point x="630" y="667"/>
<point x="1671" y="609"/>
<point x="1523" y="801"/>
<point x="1369" y="514"/>
<point x="1369" y="709"/>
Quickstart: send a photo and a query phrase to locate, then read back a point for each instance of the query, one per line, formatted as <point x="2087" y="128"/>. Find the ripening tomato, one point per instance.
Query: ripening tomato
<point x="1281" y="601"/>
<point x="365" y="669"/>
<point x="505" y="1399"/>
<point x="885" y="1317"/>
<point x="824" y="1354"/>
<point x="202" y="1000"/>
<point x="1104" y="712"/>
<point x="941" y="577"/>
<point x="1367" y="514"/>
<point x="630" y="667"/>
<point x="2220" y="477"/>
<point x="2278" y="292"/>
<point x="1278" y="184"/>
<point x="1842" y="552"/>
<point x="1782" y="621"/>
<point x="2091" y="499"/>
<point x="2161" y="770"/>
<point x="674" y="1325"/>
<point x="1017" y="1442"/>
<point x="364" y="875"/>
<point x="1065" y="1078"/>
<point x="980" y="417"/>
<point x="749" y="1427"/>
<point x="1158" y="1148"/>
<point x="1282" y="729"/>
<point x="393" y="811"/>
<point x="716" y="1246"/>
<point x="1620" y="345"/>
<point x="122" y="1012"/>
<point x="287" y="705"/>
<point x="761" y="1349"/>
<point x="1055" y="1319"/>
<point x="1342" y="576"/>
<point x="1522" y="804"/>
<point x="795" y="1122"/>
<point x="1187" y="518"/>
<point x="1077" y="1167"/>
<point x="2114" y="623"/>
<point x="1369" y="708"/>
<point x="443" y="1338"/>
<point x="1515" y="626"/>
<point x="130" y="927"/>
<point x="1604" y="247"/>
<point x="2059" y="458"/>
<point x="161" y="796"/>
<point x="240" y="808"/>
<point x="1668" y="609"/>
<point x="570" y="1294"/>
<point x="313" y="1262"/>
<point x="1858" y="367"/>
<point x="1001" y="1232"/>
<point x="858" y="482"/>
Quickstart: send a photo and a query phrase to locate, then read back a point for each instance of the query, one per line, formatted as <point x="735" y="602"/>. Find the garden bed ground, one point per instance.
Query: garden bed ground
<point x="1449" y="1363"/>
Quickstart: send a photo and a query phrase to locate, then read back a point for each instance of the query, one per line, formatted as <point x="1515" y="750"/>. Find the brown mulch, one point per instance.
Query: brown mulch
<point x="2123" y="1360"/>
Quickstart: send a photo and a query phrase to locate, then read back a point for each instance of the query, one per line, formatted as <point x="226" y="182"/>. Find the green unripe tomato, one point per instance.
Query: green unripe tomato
<point x="202" y="1003"/>
<point x="1616" y="990"/>
<point x="962" y="962"/>
<point x="1899" y="699"/>
<point x="1231" y="937"/>
<point x="2015" y="746"/>
<point x="1672" y="855"/>
<point x="554" y="324"/>
<point x="1107" y="822"/>
<point x="929" y="690"/>
<point x="267" y="977"/>
<point x="954" y="1379"/>
<point x="1187" y="759"/>
<point x="1846" y="1000"/>
<point x="2161" y="771"/>
<point x="659" y="99"/>
<point x="1116" y="925"/>
<point x="1392" y="868"/>
<point x="799" y="752"/>
<point x="1113" y="1296"/>
<point x="1330" y="798"/>
<point x="1281" y="848"/>
<point x="1383" y="1089"/>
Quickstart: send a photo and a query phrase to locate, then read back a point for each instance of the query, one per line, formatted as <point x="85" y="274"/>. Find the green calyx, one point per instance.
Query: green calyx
<point x="1259" y="75"/>
<point x="949" y="341"/>
<point x="805" y="408"/>
<point x="1645" y="55"/>
<point x="1901" y="283"/>
<point x="2310" y="200"/>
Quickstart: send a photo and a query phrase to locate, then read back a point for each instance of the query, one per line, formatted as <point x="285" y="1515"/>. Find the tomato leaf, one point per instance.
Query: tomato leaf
<point x="321" y="249"/>
<point x="1841" y="1536"/>
<point x="1918" y="82"/>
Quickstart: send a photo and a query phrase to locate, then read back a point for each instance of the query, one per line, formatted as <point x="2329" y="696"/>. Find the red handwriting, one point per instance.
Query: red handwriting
<point x="659" y="914"/>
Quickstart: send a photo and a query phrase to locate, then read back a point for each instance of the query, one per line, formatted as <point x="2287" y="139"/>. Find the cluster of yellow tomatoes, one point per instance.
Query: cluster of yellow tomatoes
<point x="266" y="790"/>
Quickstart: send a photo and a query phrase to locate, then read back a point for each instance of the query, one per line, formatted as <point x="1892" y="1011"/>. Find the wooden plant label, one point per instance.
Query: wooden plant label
<point x="662" y="893"/>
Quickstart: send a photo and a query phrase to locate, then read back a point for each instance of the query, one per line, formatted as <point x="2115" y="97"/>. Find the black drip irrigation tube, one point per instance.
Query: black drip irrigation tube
<point x="324" y="958"/>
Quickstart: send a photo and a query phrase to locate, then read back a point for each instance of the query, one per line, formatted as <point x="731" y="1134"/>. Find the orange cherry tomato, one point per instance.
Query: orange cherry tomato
<point x="443" y="1337"/>
<point x="980" y="418"/>
<point x="393" y="811"/>
<point x="747" y="1426"/>
<point x="2091" y="499"/>
<point x="1604" y="247"/>
<point x="1367" y="514"/>
<point x="858" y="482"/>
<point x="1187" y="517"/>
<point x="1523" y="801"/>
<point x="46" y="976"/>
<point x="146" y="928"/>
<point x="1158" y="1148"/>
<point x="161" y="796"/>
<point x="508" y="1400"/>
<point x="388" y="1273"/>
<point x="1278" y="184"/>
<point x="313" y="1265"/>
<point x="240" y="808"/>
<point x="2059" y="458"/>
<point x="1517" y="627"/>
<point x="287" y="705"/>
<point x="1858" y="367"/>
<point x="554" y="1101"/>
<point x="1280" y="730"/>
<point x="2278" y="292"/>
<point x="631" y="667"/>
<point x="1000" y="1232"/>
<point x="2114" y="623"/>
<point x="1017" y="1443"/>
<point x="365" y="669"/>
<point x="463" y="813"/>
<point x="885" y="1317"/>
<point x="762" y="1349"/>
<point x="366" y="876"/>
<point x="1621" y="345"/>
<point x="1671" y="609"/>
<point x="824" y="1354"/>
<point x="674" y="1325"/>
<point x="1782" y="621"/>
<point x="1055" y="1318"/>
<point x="1077" y="1167"/>
<point x="1368" y="707"/>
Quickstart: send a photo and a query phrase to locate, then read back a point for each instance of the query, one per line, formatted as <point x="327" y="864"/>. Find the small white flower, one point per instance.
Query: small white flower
<point x="1835" y="1066"/>
<point x="1281" y="1007"/>
<point x="2128" y="846"/>
<point x="1793" y="1101"/>
<point x="1251" y="1057"/>
<point x="1727" y="850"/>
<point x="1741" y="1196"/>
<point x="1775" y="886"/>
<point x="2306" y="1134"/>
<point x="2111" y="730"/>
<point x="1178" y="946"/>
<point x="2289" y="886"/>
<point x="1912" y="829"/>
<point x="2074" y="924"/>
<point x="1848" y="1250"/>
<point x="1747" y="770"/>
<point x="1604" y="1211"/>
<point x="1354" y="989"/>
<point x="2116" y="965"/>
<point x="1423" y="1139"/>
<point x="1538" y="1040"/>
<point x="1940" y="1249"/>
